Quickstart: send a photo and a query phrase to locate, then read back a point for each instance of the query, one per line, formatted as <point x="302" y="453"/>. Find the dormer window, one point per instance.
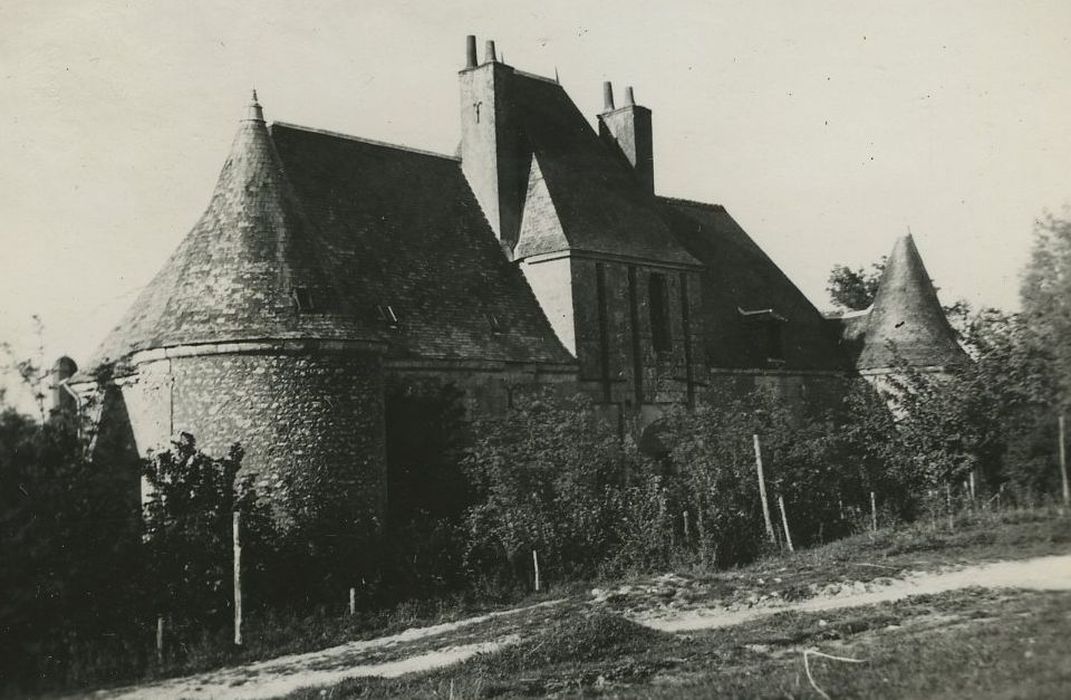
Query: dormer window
<point x="496" y="326"/>
<point x="303" y="299"/>
<point x="386" y="315"/>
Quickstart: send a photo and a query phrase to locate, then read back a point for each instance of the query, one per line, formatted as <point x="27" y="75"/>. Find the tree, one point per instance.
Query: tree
<point x="188" y="531"/>
<point x="855" y="289"/>
<point x="1046" y="297"/>
<point x="70" y="575"/>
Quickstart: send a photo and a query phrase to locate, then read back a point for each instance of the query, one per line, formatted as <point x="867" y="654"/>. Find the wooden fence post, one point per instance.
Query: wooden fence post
<point x="237" y="527"/>
<point x="535" y="564"/>
<point x="160" y="639"/>
<point x="948" y="505"/>
<point x="762" y="491"/>
<point x="784" y="521"/>
<point x="1063" y="460"/>
<point x="873" y="513"/>
<point x="353" y="600"/>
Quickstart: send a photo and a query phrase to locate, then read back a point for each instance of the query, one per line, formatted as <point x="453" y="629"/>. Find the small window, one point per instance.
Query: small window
<point x="386" y="315"/>
<point x="768" y="333"/>
<point x="303" y="298"/>
<point x="492" y="320"/>
<point x="658" y="305"/>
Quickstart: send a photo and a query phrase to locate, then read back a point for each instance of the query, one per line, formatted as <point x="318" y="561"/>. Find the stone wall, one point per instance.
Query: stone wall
<point x="804" y="393"/>
<point x="295" y="411"/>
<point x="618" y="359"/>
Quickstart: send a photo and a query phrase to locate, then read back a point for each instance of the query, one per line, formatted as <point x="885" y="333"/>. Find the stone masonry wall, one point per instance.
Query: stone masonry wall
<point x="298" y="414"/>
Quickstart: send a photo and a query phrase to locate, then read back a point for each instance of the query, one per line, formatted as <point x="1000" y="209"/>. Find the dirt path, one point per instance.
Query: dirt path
<point x="1043" y="573"/>
<point x="417" y="649"/>
<point x="427" y="648"/>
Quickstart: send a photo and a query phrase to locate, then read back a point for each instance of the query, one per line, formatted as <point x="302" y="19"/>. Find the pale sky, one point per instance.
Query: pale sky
<point x="826" y="128"/>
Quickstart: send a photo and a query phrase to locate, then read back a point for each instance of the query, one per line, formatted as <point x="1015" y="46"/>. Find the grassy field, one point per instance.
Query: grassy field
<point x="967" y="643"/>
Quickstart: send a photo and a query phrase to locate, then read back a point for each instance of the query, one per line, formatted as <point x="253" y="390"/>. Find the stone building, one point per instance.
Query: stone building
<point x="328" y="268"/>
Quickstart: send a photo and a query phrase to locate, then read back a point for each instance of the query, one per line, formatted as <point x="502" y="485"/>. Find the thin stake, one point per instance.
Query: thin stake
<point x="784" y="521"/>
<point x="160" y="639"/>
<point x="353" y="600"/>
<point x="971" y="480"/>
<point x="762" y="491"/>
<point x="535" y="563"/>
<point x="237" y="528"/>
<point x="948" y="505"/>
<point x="873" y="513"/>
<point x="687" y="532"/>
<point x="1063" y="461"/>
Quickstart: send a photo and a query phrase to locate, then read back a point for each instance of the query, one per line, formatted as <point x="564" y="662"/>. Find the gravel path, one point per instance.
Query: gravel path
<point x="275" y="677"/>
<point x="279" y="676"/>
<point x="1043" y="573"/>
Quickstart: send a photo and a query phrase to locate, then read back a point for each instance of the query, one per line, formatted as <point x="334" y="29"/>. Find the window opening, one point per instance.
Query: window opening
<point x="658" y="304"/>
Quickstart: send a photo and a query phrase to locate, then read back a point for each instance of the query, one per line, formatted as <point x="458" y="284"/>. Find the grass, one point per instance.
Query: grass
<point x="973" y="643"/>
<point x="1005" y="644"/>
<point x="555" y="654"/>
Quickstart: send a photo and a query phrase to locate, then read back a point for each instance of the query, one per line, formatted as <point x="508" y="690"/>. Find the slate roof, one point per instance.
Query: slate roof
<point x="357" y="225"/>
<point x="907" y="313"/>
<point x="600" y="203"/>
<point x="739" y="276"/>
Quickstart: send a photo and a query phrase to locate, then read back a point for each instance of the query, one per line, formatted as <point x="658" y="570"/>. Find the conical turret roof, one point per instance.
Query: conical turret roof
<point x="907" y="313"/>
<point x="249" y="269"/>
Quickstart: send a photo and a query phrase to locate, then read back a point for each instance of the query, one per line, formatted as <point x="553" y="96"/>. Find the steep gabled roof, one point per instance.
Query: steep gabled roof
<point x="907" y="313"/>
<point x="388" y="244"/>
<point x="600" y="203"/>
<point x="238" y="273"/>
<point x="403" y="229"/>
<point x="738" y="276"/>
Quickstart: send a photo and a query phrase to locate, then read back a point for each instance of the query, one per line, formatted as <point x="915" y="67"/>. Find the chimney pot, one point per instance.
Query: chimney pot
<point x="470" y="51"/>
<point x="608" y="96"/>
<point x="630" y="99"/>
<point x="489" y="52"/>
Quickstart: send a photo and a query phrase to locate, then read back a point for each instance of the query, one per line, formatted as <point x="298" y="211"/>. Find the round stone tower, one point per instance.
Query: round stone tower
<point x="243" y="337"/>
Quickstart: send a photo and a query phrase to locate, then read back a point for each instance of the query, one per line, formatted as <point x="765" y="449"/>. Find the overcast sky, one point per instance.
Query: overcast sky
<point x="826" y="128"/>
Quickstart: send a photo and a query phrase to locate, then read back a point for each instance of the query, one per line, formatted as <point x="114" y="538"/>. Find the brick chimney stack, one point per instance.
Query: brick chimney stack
<point x="627" y="130"/>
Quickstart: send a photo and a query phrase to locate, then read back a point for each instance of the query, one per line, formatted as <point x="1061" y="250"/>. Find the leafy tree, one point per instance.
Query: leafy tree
<point x="70" y="576"/>
<point x="1046" y="297"/>
<point x="548" y="476"/>
<point x="188" y="532"/>
<point x="855" y="289"/>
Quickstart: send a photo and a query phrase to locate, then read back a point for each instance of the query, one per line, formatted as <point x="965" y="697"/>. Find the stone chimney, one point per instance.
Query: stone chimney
<point x="627" y="130"/>
<point x="491" y="152"/>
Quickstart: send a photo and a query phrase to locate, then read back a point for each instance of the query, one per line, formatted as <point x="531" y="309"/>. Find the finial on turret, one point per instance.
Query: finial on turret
<point x="256" y="113"/>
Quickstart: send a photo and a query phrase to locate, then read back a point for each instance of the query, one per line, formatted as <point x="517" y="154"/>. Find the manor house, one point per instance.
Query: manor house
<point x="328" y="270"/>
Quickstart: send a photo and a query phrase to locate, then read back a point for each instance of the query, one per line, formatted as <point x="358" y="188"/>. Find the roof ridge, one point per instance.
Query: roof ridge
<point x="360" y="139"/>
<point x="681" y="200"/>
<point x="534" y="76"/>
